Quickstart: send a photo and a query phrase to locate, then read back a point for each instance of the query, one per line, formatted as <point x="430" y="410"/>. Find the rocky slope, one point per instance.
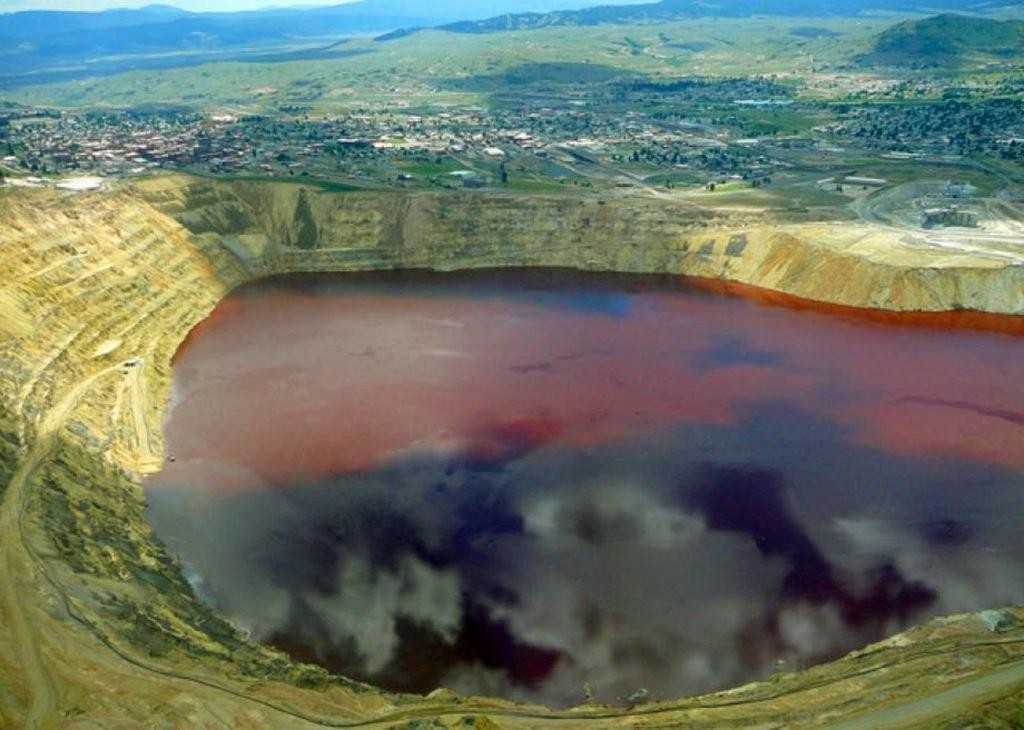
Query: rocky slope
<point x="279" y="227"/>
<point x="99" y="289"/>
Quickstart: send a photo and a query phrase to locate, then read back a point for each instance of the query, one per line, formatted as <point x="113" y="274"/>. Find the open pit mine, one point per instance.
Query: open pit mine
<point x="99" y="289"/>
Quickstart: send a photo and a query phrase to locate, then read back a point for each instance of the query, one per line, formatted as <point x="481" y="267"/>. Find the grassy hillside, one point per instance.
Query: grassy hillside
<point x="668" y="10"/>
<point x="79" y="43"/>
<point x="435" y="67"/>
<point x="949" y="40"/>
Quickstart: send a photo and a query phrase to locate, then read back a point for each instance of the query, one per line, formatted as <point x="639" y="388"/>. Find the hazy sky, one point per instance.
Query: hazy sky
<point x="8" y="6"/>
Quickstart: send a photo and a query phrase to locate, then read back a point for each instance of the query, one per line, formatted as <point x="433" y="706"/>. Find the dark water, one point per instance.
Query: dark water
<point x="521" y="483"/>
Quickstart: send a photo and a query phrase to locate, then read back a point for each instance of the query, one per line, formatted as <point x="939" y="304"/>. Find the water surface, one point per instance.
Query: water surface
<point x="520" y="483"/>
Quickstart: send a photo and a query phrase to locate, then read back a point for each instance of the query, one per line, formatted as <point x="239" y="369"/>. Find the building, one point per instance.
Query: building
<point x="948" y="216"/>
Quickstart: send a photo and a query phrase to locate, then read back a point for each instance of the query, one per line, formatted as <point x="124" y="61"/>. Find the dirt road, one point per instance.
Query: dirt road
<point x="16" y="562"/>
<point x="921" y="712"/>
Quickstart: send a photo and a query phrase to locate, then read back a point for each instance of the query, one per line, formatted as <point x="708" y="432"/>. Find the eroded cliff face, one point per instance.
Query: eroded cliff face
<point x="290" y="227"/>
<point x="99" y="289"/>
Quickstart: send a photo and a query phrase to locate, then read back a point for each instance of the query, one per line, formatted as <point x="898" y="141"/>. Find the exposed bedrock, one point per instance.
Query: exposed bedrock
<point x="275" y="227"/>
<point x="97" y="292"/>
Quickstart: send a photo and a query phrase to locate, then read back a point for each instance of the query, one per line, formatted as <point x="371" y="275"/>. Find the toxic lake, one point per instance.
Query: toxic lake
<point x="528" y="483"/>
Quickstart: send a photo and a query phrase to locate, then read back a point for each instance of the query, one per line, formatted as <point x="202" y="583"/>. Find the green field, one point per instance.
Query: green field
<point x="433" y="169"/>
<point x="433" y="68"/>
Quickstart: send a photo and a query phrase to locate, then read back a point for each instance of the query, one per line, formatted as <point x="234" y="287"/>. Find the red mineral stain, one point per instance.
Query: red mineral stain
<point x="296" y="384"/>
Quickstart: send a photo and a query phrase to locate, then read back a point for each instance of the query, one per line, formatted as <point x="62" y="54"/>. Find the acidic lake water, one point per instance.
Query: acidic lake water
<point x="520" y="483"/>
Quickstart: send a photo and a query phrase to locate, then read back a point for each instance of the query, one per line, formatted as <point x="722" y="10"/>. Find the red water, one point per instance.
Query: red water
<point x="298" y="386"/>
<point x="496" y="413"/>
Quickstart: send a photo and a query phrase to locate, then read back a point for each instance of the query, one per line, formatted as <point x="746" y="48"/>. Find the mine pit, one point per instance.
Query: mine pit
<point x="545" y="485"/>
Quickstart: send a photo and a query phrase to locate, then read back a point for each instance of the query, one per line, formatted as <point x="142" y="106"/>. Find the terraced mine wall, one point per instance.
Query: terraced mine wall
<point x="97" y="292"/>
<point x="273" y="228"/>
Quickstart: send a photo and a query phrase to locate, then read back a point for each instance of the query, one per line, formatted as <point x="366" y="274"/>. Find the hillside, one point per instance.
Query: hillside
<point x="666" y="10"/>
<point x="38" y="40"/>
<point x="948" y="40"/>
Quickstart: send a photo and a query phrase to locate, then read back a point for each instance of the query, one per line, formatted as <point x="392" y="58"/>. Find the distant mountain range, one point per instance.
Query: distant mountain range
<point x="678" y="9"/>
<point x="38" y="39"/>
<point x="947" y="40"/>
<point x="45" y="46"/>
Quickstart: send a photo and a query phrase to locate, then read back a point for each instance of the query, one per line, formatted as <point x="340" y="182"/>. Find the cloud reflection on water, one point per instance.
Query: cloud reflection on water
<point x="516" y="484"/>
<point x="685" y="560"/>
